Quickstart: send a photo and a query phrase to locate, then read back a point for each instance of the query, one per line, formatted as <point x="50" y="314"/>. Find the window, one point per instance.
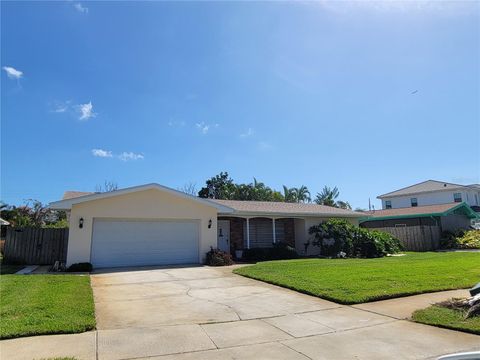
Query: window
<point x="388" y="204"/>
<point x="400" y="225"/>
<point x="476" y="199"/>
<point x="414" y="202"/>
<point x="457" y="197"/>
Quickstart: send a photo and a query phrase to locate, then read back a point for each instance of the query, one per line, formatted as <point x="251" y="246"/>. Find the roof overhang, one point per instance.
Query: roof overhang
<point x="68" y="203"/>
<point x="463" y="208"/>
<point x="289" y="215"/>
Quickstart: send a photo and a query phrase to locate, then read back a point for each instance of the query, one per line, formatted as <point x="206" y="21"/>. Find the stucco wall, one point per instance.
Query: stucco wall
<point x="148" y="204"/>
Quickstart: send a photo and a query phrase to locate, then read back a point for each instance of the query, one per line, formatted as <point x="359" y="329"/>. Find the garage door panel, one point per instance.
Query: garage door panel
<point x="137" y="243"/>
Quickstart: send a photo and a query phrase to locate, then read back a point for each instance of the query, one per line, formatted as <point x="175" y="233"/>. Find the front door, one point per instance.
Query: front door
<point x="223" y="241"/>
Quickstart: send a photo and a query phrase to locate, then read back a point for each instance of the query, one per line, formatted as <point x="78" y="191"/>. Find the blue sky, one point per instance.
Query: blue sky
<point x="366" y="96"/>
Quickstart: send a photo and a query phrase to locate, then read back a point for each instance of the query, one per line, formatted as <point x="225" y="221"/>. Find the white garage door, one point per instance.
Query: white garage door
<point x="136" y="243"/>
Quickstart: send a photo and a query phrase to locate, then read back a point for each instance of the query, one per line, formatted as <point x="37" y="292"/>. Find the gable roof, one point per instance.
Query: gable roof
<point x="75" y="194"/>
<point x="271" y="208"/>
<point x="67" y="203"/>
<point x="421" y="211"/>
<point x="426" y="186"/>
<point x="238" y="207"/>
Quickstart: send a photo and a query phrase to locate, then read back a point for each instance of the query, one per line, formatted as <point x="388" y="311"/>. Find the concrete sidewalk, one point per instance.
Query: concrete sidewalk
<point x="402" y="308"/>
<point x="210" y="313"/>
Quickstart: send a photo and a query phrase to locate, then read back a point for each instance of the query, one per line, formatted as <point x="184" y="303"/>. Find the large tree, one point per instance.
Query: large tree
<point x="220" y="186"/>
<point x="33" y="214"/>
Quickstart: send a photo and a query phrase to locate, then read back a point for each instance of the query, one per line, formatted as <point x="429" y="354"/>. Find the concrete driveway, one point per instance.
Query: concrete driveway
<point x="210" y="313"/>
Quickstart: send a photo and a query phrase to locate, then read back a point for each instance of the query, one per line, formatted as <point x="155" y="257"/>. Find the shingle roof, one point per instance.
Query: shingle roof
<point x="426" y="186"/>
<point x="418" y="211"/>
<point x="75" y="194"/>
<point x="283" y="208"/>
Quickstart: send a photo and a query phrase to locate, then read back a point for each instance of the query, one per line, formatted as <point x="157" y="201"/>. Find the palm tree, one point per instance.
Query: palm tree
<point x="302" y="194"/>
<point x="327" y="196"/>
<point x="290" y="195"/>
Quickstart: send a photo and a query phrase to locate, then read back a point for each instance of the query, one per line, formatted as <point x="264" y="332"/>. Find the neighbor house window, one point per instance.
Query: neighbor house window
<point x="388" y="204"/>
<point x="457" y="197"/>
<point x="414" y="201"/>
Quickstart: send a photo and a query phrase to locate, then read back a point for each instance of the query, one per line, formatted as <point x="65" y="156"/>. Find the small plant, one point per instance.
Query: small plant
<point x="460" y="240"/>
<point x="80" y="267"/>
<point x="469" y="240"/>
<point x="217" y="257"/>
<point x="448" y="240"/>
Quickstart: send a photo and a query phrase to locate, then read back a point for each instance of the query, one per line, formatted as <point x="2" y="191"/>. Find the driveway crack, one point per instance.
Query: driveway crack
<point x="298" y="352"/>
<point x="213" y="302"/>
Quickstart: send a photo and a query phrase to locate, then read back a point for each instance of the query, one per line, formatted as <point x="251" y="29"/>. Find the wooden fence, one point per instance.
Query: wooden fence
<point x="36" y="246"/>
<point x="416" y="238"/>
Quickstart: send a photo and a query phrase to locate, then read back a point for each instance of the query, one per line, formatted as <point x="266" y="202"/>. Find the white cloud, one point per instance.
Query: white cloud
<point x="249" y="133"/>
<point x="203" y="127"/>
<point x="102" y="153"/>
<point x="13" y="73"/>
<point x="80" y="8"/>
<point x="263" y="145"/>
<point x="86" y="111"/>
<point x="61" y="107"/>
<point x="126" y="156"/>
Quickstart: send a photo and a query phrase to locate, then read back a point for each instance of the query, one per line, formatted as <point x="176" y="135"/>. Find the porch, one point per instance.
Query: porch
<point x="237" y="233"/>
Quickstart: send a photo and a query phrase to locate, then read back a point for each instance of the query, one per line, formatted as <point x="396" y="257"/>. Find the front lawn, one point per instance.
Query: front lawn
<point x="447" y="318"/>
<point x="45" y="304"/>
<point x="353" y="281"/>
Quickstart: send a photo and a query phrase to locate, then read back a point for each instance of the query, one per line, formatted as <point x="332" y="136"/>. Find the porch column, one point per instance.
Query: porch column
<point x="248" y="233"/>
<point x="274" y="232"/>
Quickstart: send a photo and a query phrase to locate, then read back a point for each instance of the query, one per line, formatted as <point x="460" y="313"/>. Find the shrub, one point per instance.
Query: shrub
<point x="448" y="240"/>
<point x="216" y="257"/>
<point x="339" y="238"/>
<point x="279" y="251"/>
<point x="469" y="240"/>
<point x="80" y="267"/>
<point x="333" y="237"/>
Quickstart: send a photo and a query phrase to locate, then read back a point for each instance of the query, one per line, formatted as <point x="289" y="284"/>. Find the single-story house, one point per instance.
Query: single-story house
<point x="420" y="227"/>
<point x="155" y="225"/>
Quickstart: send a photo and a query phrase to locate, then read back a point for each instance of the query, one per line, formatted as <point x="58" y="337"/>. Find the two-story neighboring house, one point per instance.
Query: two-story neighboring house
<point x="418" y="215"/>
<point x="432" y="192"/>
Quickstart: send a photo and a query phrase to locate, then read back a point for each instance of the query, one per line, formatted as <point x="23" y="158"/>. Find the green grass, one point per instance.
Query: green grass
<point x="447" y="318"/>
<point x="353" y="281"/>
<point x="45" y="304"/>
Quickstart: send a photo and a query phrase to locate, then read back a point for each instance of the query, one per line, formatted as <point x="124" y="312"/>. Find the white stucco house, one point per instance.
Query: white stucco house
<point x="432" y="192"/>
<point x="154" y="225"/>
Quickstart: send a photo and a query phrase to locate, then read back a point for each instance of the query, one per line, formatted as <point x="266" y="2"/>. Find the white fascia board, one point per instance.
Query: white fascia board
<point x="68" y="203"/>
